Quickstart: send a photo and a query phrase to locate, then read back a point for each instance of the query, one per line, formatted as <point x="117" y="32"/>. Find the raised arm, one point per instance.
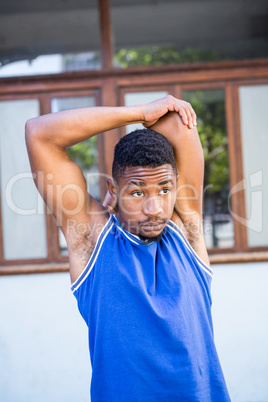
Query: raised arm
<point x="190" y="167"/>
<point x="189" y="160"/>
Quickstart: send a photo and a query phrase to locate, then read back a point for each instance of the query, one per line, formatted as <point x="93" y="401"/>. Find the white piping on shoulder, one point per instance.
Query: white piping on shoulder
<point x="78" y="282"/>
<point x="201" y="263"/>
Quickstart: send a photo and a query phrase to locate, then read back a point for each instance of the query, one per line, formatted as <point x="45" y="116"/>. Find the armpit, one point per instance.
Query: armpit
<point x="192" y="230"/>
<point x="82" y="247"/>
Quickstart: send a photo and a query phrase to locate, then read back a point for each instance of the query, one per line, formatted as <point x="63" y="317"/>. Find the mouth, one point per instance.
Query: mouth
<point x="152" y="226"/>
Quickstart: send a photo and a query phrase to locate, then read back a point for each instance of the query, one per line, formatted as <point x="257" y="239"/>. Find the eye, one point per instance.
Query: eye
<point x="164" y="191"/>
<point x="137" y="194"/>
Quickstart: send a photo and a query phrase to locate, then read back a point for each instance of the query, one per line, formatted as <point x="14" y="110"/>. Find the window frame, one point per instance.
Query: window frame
<point x="52" y="236"/>
<point x="176" y="89"/>
<point x="11" y="262"/>
<point x="240" y="174"/>
<point x="232" y="165"/>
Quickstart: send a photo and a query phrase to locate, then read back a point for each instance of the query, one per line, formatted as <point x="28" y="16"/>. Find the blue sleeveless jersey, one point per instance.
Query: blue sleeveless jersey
<point x="148" y="310"/>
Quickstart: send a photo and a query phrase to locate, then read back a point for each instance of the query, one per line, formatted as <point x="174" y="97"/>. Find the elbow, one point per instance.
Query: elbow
<point x="29" y="128"/>
<point x="28" y="133"/>
<point x="32" y="133"/>
<point x="32" y="130"/>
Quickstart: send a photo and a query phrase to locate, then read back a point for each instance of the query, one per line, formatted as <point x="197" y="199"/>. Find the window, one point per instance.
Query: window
<point x="209" y="106"/>
<point x="190" y="32"/>
<point x="22" y="209"/>
<point x="210" y="109"/>
<point x="253" y="110"/>
<point x="226" y="227"/>
<point x="27" y="233"/>
<point x="135" y="98"/>
<point x="85" y="154"/>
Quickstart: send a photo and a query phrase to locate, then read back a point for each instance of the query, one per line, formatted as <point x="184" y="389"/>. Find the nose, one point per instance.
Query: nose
<point x="152" y="206"/>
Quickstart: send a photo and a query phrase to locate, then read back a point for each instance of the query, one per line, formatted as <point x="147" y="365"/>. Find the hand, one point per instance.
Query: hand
<point x="153" y="111"/>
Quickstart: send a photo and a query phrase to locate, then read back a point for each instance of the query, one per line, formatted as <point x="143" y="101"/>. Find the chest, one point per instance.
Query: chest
<point x="156" y="279"/>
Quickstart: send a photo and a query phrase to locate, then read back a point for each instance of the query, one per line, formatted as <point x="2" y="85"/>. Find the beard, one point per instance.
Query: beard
<point x="154" y="238"/>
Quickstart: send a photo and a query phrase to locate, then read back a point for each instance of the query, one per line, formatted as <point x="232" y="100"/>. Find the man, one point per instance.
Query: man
<point x="141" y="276"/>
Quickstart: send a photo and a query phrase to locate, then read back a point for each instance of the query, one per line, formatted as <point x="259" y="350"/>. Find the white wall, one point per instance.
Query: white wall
<point x="43" y="341"/>
<point x="240" y="312"/>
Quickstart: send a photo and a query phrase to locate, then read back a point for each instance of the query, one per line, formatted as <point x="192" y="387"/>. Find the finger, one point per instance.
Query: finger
<point x="189" y="117"/>
<point x="193" y="115"/>
<point x="190" y="113"/>
<point x="183" y="115"/>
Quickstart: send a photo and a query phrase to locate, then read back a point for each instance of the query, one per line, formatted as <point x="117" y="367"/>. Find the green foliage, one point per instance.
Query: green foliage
<point x="161" y="55"/>
<point x="85" y="153"/>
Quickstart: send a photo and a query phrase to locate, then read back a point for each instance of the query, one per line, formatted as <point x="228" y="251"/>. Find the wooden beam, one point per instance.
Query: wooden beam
<point x="110" y="138"/>
<point x="233" y="258"/>
<point x="234" y="159"/>
<point x="33" y="269"/>
<point x="105" y="34"/>
<point x="195" y="73"/>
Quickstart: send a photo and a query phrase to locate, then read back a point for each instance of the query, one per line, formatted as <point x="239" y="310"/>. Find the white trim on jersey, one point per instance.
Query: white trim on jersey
<point x="86" y="271"/>
<point x="179" y="233"/>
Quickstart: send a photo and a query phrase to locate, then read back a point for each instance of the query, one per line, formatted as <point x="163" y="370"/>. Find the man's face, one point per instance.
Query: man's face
<point x="146" y="198"/>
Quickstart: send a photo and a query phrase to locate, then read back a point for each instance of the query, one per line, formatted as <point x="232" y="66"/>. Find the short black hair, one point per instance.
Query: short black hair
<point x="143" y="147"/>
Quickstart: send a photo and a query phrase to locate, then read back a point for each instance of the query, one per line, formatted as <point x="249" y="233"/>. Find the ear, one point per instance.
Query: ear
<point x="111" y="188"/>
<point x="110" y="200"/>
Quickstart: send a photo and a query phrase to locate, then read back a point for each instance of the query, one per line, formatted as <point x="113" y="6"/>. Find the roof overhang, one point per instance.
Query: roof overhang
<point x="29" y="28"/>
